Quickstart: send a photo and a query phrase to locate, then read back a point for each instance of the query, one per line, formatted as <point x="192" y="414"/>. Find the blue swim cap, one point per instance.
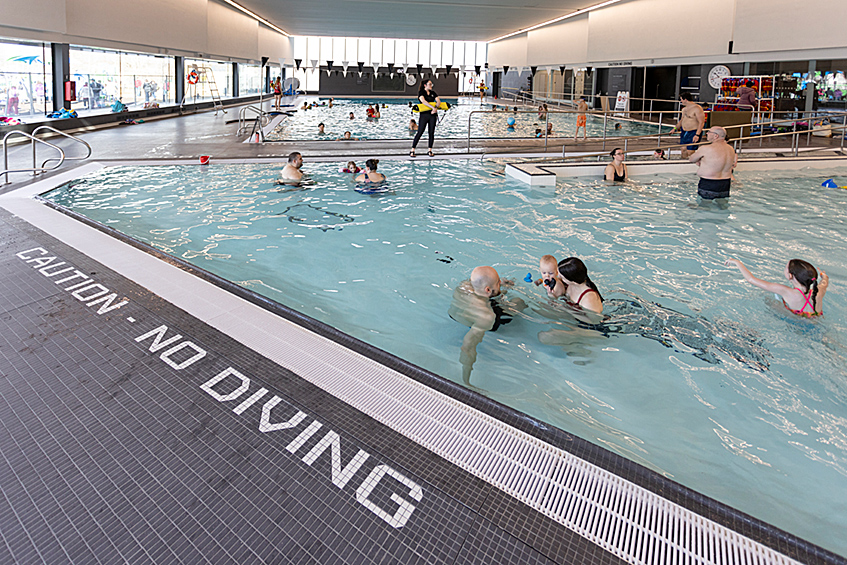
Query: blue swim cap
<point x="511" y="121"/>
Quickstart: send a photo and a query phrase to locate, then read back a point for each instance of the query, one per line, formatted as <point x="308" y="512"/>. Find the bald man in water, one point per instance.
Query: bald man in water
<point x="715" y="161"/>
<point x="479" y="304"/>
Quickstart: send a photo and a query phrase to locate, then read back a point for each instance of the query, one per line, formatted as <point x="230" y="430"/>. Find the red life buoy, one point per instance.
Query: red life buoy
<point x="470" y="80"/>
<point x="193" y="77"/>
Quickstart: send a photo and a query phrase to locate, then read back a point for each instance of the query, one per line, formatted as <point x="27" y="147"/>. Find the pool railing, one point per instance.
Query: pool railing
<point x="794" y="135"/>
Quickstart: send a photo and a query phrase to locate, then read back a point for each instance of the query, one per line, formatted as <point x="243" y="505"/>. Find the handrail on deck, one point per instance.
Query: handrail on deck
<point x="242" y="118"/>
<point x="34" y="169"/>
<point x="63" y="134"/>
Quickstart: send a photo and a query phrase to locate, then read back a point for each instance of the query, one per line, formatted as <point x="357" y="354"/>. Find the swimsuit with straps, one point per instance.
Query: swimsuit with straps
<point x="800" y="312"/>
<point x="584" y="292"/>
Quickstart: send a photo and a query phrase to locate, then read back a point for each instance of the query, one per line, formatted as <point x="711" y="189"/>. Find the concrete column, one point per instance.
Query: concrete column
<point x="235" y="92"/>
<point x="810" y="87"/>
<point x="61" y="54"/>
<point x="179" y="79"/>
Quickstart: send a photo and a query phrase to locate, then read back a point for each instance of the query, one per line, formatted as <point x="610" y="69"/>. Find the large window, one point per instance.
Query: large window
<point x="249" y="80"/>
<point x="26" y="79"/>
<point x="213" y="80"/>
<point x="104" y="76"/>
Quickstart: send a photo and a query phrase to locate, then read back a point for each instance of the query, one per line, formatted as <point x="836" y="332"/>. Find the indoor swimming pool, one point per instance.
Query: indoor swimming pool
<point x="394" y="122"/>
<point x="695" y="373"/>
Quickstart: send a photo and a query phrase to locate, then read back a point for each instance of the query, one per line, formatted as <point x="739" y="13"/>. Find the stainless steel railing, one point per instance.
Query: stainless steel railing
<point x="36" y="169"/>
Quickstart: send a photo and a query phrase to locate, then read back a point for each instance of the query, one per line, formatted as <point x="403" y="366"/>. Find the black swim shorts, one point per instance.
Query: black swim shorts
<point x="709" y="189"/>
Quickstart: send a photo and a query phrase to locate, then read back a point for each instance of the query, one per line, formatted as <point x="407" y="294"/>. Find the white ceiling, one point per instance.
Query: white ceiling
<point x="458" y="20"/>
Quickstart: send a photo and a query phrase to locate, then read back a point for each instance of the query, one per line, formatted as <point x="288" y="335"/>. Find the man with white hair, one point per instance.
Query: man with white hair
<point x="715" y="161"/>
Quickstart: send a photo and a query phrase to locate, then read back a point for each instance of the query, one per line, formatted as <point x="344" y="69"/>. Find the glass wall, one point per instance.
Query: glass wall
<point x="213" y="77"/>
<point x="249" y="79"/>
<point x="26" y="79"/>
<point x="104" y="76"/>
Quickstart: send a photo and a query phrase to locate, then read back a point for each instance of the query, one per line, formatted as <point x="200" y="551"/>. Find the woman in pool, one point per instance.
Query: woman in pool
<point x="413" y="125"/>
<point x="616" y="170"/>
<point x="370" y="174"/>
<point x="581" y="291"/>
<point x="805" y="295"/>
<point x="428" y="118"/>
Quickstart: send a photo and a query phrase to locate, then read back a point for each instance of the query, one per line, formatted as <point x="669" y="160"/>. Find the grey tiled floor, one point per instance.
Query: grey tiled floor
<point x="109" y="454"/>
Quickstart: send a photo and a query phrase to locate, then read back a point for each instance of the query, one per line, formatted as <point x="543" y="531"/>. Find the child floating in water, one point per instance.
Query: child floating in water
<point x="351" y="168"/>
<point x="805" y="295"/>
<point x="550" y="277"/>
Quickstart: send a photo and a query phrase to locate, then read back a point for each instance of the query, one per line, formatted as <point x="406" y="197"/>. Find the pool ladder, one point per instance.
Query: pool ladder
<point x="35" y="169"/>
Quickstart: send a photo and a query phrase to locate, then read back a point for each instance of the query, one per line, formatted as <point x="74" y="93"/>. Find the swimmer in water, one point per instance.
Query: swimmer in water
<point x="290" y="173"/>
<point x="581" y="291"/>
<point x="321" y="127"/>
<point x="413" y="125"/>
<point x="370" y="174"/>
<point x="805" y="295"/>
<point x="554" y="285"/>
<point x="479" y="304"/>
<point x="352" y="117"/>
<point x="347" y="137"/>
<point x="616" y="170"/>
<point x="351" y="167"/>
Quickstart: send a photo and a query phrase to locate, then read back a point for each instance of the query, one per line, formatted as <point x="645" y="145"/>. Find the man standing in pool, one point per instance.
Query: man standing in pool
<point x="690" y="123"/>
<point x="479" y="304"/>
<point x="291" y="171"/>
<point x="715" y="161"/>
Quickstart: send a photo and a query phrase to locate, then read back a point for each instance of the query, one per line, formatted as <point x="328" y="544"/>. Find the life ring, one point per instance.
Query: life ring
<point x="193" y="77"/>
<point x="470" y="80"/>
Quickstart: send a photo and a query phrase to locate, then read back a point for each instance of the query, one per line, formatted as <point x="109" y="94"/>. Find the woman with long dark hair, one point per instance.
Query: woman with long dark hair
<point x="581" y="291"/>
<point x="428" y="118"/>
<point x="805" y="295"/>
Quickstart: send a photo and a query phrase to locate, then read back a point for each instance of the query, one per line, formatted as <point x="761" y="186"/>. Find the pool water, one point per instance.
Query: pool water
<point x="697" y="374"/>
<point x="394" y="122"/>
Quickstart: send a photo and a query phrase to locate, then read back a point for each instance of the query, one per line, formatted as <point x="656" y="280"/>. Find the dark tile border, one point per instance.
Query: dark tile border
<point x="755" y="529"/>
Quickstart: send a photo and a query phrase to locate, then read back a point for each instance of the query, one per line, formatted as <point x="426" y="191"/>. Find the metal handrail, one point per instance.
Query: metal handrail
<point x="242" y="117"/>
<point x="69" y="136"/>
<point x="35" y="169"/>
<point x="795" y="142"/>
<point x="547" y="119"/>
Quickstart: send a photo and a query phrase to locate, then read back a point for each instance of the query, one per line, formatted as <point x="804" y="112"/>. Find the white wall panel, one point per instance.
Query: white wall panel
<point x="231" y="33"/>
<point x="46" y="15"/>
<point x="779" y="25"/>
<point x="559" y="44"/>
<point x="647" y="29"/>
<point x="364" y="54"/>
<point x="511" y="52"/>
<point x="159" y="23"/>
<point x="352" y="50"/>
<point x="389" y="51"/>
<point x="274" y="45"/>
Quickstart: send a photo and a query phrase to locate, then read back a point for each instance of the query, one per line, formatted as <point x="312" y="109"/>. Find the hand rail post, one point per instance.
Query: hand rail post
<point x="6" y="158"/>
<point x="34" y="160"/>
<point x="605" y="118"/>
<point x="546" y="121"/>
<point x="469" y="129"/>
<point x="660" y="128"/>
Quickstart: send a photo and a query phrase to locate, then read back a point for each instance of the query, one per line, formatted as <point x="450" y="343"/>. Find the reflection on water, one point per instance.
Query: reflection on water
<point x="693" y="373"/>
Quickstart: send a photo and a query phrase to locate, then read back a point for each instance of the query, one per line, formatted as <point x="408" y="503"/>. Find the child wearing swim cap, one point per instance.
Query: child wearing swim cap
<point x="805" y="295"/>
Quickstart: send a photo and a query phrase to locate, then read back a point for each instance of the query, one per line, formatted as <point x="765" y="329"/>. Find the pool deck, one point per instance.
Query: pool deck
<point x="154" y="413"/>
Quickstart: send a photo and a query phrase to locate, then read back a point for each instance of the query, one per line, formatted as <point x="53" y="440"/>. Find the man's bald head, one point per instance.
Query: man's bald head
<point x="485" y="281"/>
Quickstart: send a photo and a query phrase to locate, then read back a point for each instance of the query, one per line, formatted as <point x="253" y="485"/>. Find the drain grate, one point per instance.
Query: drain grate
<point x="625" y="519"/>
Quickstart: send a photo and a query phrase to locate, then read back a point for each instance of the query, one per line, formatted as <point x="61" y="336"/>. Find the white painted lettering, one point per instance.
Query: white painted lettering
<point x="26" y="254"/>
<point x="199" y="354"/>
<point x="46" y="270"/>
<point x="41" y="261"/>
<point x="340" y="477"/>
<point x="298" y="442"/>
<point x="229" y="371"/>
<point x="265" y="424"/>
<point x="404" y="512"/>
<point x="254" y="398"/>
<point x="78" y="292"/>
<point x="157" y="341"/>
<point x="76" y="275"/>
<point x="107" y="306"/>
